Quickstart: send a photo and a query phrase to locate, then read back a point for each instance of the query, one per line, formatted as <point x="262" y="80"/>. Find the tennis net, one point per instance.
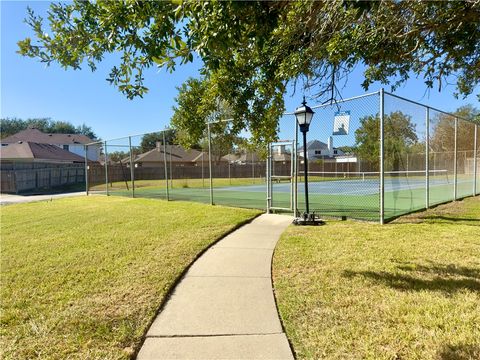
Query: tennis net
<point x="375" y="175"/>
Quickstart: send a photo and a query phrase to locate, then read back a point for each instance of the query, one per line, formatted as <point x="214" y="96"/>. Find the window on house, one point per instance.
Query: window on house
<point x="65" y="147"/>
<point x="318" y="152"/>
<point x="335" y="152"/>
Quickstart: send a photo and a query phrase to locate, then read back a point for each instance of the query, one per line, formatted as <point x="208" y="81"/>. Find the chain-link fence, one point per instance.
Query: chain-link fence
<point x="433" y="153"/>
<point x="372" y="157"/>
<point x="219" y="169"/>
<point x="343" y="179"/>
<point x="378" y="156"/>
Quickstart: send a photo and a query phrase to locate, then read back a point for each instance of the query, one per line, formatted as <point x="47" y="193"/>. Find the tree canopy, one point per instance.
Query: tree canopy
<point x="252" y="51"/>
<point x="442" y="137"/>
<point x="10" y="126"/>
<point x="399" y="135"/>
<point x="149" y="141"/>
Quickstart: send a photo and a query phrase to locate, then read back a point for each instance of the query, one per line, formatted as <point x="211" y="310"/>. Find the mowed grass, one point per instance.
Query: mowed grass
<point x="83" y="277"/>
<point x="178" y="183"/>
<point x="406" y="290"/>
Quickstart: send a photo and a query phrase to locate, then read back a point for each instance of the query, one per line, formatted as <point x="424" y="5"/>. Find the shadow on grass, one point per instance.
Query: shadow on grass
<point x="451" y="219"/>
<point x="441" y="270"/>
<point x="459" y="352"/>
<point x="435" y="277"/>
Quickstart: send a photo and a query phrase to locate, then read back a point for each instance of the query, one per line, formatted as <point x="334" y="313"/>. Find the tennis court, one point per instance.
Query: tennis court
<point x="425" y="157"/>
<point x="352" y="194"/>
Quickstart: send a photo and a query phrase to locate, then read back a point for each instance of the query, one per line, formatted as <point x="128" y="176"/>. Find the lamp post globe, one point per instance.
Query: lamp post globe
<point x="304" y="116"/>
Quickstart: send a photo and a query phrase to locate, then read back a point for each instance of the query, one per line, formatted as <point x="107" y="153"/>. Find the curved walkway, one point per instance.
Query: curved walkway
<point x="224" y="307"/>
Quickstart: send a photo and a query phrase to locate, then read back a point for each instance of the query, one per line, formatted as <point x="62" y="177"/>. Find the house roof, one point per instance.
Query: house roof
<point x="230" y="157"/>
<point x="26" y="150"/>
<point x="201" y="156"/>
<point x="36" y="136"/>
<point x="178" y="154"/>
<point x="315" y="145"/>
<point x="282" y="157"/>
<point x="249" y="157"/>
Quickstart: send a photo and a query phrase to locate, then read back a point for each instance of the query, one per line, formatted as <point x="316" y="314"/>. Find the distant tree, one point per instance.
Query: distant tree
<point x="442" y="137"/>
<point x="85" y="130"/>
<point x="399" y="135"/>
<point x="10" y="126"/>
<point x="348" y="150"/>
<point x="61" y="127"/>
<point x="117" y="156"/>
<point x="149" y="141"/>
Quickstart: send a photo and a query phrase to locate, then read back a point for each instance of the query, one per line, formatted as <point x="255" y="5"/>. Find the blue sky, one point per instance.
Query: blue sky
<point x="30" y="89"/>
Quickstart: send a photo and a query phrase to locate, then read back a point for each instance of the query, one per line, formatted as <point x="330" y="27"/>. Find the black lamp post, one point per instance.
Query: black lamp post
<point x="304" y="115"/>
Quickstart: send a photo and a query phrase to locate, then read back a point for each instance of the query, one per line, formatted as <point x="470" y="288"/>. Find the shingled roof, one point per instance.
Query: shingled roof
<point x="36" y="136"/>
<point x="25" y="150"/>
<point x="315" y="145"/>
<point x="178" y="154"/>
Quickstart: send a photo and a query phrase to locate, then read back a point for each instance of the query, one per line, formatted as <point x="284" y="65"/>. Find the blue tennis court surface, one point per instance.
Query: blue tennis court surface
<point x="343" y="187"/>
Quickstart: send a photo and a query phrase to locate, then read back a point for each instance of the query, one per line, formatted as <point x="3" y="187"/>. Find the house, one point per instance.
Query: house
<point x="319" y="150"/>
<point x="283" y="158"/>
<point x="26" y="151"/>
<point x="32" y="167"/>
<point x="249" y="158"/>
<point x="74" y="143"/>
<point x="175" y="154"/>
<point x="280" y="155"/>
<point x="231" y="158"/>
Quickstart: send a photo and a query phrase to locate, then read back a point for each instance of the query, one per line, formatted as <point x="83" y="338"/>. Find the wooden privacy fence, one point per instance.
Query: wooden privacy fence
<point x="117" y="172"/>
<point x="121" y="172"/>
<point x="38" y="177"/>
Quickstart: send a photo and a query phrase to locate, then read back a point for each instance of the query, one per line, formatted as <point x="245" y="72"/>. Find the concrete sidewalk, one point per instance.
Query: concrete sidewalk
<point x="224" y="306"/>
<point x="8" y="199"/>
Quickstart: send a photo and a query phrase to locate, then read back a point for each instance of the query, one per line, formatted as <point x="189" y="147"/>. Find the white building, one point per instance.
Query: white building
<point x="75" y="143"/>
<point x="319" y="150"/>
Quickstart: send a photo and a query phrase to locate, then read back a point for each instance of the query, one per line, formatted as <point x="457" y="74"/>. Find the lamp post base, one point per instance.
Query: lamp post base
<point x="308" y="219"/>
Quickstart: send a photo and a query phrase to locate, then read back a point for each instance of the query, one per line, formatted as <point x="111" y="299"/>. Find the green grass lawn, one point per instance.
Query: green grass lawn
<point x="83" y="277"/>
<point x="178" y="183"/>
<point x="406" y="290"/>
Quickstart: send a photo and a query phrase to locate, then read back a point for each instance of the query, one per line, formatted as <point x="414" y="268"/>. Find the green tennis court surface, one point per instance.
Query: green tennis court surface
<point x="343" y="195"/>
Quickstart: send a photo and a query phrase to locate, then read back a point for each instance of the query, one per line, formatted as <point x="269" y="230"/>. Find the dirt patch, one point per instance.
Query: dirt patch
<point x="453" y="211"/>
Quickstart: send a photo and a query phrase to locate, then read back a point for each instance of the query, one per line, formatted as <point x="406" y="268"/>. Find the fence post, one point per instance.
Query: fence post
<point x="229" y="173"/>
<point x="106" y="167"/>
<point x="269" y="179"/>
<point x="382" y="175"/>
<point x="253" y="168"/>
<point x="203" y="175"/>
<point x="171" y="168"/>
<point x="86" y="170"/>
<point x="475" y="172"/>
<point x="292" y="200"/>
<point x="455" y="162"/>
<point x="165" y="165"/>
<point x="295" y="170"/>
<point x="210" y="161"/>
<point x="427" y="157"/>
<point x="132" y="168"/>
